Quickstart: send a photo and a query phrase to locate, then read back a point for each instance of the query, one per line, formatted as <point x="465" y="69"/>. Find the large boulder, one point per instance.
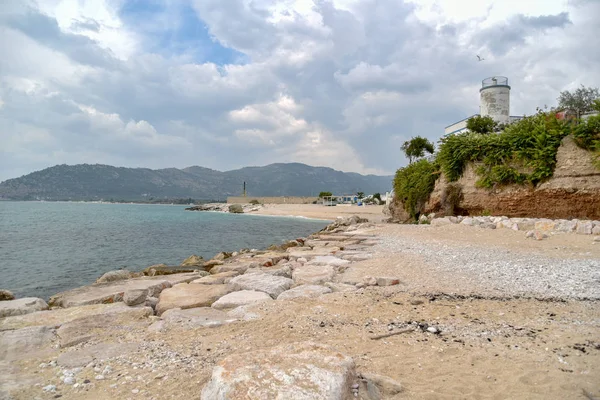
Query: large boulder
<point x="313" y="274"/>
<point x="271" y="284"/>
<point x="297" y="371"/>
<point x="134" y="297"/>
<point x="6" y="295"/>
<point x="118" y="275"/>
<point x="236" y="209"/>
<point x="241" y="298"/>
<point x="22" y="306"/>
<point x="34" y="341"/>
<point x="162" y="269"/>
<point x="217" y="279"/>
<point x="304" y="291"/>
<point x="196" y="317"/>
<point x="189" y="296"/>
<point x="193" y="260"/>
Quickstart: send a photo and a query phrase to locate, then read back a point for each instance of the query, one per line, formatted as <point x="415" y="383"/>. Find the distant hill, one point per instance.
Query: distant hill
<point x="105" y="182"/>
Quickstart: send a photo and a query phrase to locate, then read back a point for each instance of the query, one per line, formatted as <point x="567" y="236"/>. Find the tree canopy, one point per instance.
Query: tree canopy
<point x="416" y="148"/>
<point x="580" y="100"/>
<point x="482" y="125"/>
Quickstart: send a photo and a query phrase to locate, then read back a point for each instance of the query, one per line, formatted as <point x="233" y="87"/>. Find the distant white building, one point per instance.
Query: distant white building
<point x="494" y="101"/>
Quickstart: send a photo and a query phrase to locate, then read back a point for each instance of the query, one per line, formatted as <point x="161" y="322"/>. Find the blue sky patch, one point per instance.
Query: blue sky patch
<point x="176" y="30"/>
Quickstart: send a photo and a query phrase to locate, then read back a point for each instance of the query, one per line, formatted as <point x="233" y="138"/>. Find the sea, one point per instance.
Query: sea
<point x="49" y="247"/>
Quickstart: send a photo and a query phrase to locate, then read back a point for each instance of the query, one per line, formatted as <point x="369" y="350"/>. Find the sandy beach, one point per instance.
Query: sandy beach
<point x="514" y="318"/>
<point x="319" y="211"/>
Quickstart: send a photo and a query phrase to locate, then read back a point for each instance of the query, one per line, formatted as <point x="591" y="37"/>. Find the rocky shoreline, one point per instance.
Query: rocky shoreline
<point x="226" y="208"/>
<point x="176" y="331"/>
<point x="198" y="293"/>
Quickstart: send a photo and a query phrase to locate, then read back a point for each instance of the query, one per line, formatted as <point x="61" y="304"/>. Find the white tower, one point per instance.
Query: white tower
<point x="495" y="99"/>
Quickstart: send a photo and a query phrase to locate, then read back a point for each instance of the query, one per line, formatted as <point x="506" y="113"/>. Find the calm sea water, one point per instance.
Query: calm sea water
<point x="46" y="248"/>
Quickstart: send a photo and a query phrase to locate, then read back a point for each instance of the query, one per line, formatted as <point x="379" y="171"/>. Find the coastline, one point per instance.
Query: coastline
<point x="490" y="333"/>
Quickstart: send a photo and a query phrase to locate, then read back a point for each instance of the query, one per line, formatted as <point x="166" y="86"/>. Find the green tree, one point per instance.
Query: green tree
<point x="325" y="194"/>
<point x="416" y="147"/>
<point x="360" y="195"/>
<point x="579" y="101"/>
<point x="482" y="125"/>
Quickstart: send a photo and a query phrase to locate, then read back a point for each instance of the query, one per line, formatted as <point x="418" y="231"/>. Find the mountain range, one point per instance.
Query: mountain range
<point x="105" y="182"/>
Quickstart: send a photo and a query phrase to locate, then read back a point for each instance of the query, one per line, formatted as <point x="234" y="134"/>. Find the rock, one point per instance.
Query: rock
<point x="432" y="329"/>
<point x="530" y="234"/>
<point x="566" y="226"/>
<point x="340" y="287"/>
<point x="193" y="260"/>
<point x="22" y="306"/>
<point x="313" y="274"/>
<point x="297" y="371"/>
<point x="151" y="302"/>
<point x="196" y="317"/>
<point x="385" y="386"/>
<point x="112" y="292"/>
<point x="83" y="329"/>
<point x="440" y="221"/>
<point x="545" y="225"/>
<point x="328" y="260"/>
<point x="239" y="268"/>
<point x="369" y="281"/>
<point x="49" y="388"/>
<point x="304" y="291"/>
<point x="236" y="209"/>
<point x="596" y="229"/>
<point x="270" y="284"/>
<point x="222" y="256"/>
<point x="60" y="316"/>
<point x="25" y="343"/>
<point x="134" y="297"/>
<point x="162" y="269"/>
<point x="190" y="296"/>
<point x="217" y="279"/>
<point x="539" y="235"/>
<point x="584" y="228"/>
<point x="386" y="281"/>
<point x="284" y="270"/>
<point x="6" y="295"/>
<point x="597" y="239"/>
<point x="118" y="275"/>
<point x="467" y="221"/>
<point x="241" y="298"/>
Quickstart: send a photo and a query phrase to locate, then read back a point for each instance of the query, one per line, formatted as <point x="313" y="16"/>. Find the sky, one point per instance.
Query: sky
<point x="228" y="84"/>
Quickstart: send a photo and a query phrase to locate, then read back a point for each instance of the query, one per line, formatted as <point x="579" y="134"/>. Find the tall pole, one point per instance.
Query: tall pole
<point x="244" y="188"/>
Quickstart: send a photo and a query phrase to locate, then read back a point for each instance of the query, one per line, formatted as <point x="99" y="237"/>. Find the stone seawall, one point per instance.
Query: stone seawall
<point x="272" y="200"/>
<point x="572" y="192"/>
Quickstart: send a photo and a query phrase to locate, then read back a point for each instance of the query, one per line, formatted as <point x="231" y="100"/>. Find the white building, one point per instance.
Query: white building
<point x="494" y="101"/>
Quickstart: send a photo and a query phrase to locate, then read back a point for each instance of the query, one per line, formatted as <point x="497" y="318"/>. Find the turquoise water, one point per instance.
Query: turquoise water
<point x="49" y="247"/>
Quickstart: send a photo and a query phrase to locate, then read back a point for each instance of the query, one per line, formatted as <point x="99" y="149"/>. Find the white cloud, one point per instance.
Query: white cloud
<point x="339" y="83"/>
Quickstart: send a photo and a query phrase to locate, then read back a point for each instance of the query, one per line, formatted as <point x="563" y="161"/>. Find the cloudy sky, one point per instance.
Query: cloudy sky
<point x="226" y="84"/>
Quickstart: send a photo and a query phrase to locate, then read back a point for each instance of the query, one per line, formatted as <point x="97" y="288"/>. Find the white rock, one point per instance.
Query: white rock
<point x="49" y="388"/>
<point x="69" y="380"/>
<point x="304" y="291"/>
<point x="313" y="274"/>
<point x="241" y="298"/>
<point x="22" y="306"/>
<point x="297" y="371"/>
<point x="267" y="283"/>
<point x="99" y="377"/>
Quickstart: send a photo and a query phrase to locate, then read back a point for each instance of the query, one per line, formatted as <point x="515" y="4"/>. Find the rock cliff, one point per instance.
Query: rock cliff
<point x="572" y="192"/>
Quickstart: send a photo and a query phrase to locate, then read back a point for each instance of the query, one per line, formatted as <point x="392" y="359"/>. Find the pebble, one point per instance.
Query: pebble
<point x="69" y="380"/>
<point x="135" y="391"/>
<point x="49" y="388"/>
<point x="99" y="377"/>
<point x="432" y="329"/>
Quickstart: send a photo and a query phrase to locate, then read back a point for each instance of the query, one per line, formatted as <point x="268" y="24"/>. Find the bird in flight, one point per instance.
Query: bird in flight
<point x="479" y="58"/>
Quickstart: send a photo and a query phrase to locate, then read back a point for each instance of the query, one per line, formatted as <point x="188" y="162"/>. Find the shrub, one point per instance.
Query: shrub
<point x="482" y="125"/>
<point x="452" y="195"/>
<point x="254" y="202"/>
<point x="524" y="153"/>
<point x="325" y="194"/>
<point x="413" y="184"/>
